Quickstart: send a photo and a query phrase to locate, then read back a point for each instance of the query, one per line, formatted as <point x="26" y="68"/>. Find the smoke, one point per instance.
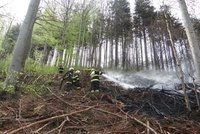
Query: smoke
<point x="150" y="78"/>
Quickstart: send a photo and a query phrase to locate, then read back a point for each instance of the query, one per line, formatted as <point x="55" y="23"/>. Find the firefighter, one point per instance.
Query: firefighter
<point x="76" y="79"/>
<point x="60" y="69"/>
<point x="67" y="82"/>
<point x="95" y="80"/>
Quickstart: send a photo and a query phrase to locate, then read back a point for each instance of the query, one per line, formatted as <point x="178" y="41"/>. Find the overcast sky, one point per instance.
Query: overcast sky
<point x="18" y="8"/>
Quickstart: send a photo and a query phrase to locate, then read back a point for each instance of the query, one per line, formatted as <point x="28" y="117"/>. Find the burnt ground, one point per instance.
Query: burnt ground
<point x="113" y="110"/>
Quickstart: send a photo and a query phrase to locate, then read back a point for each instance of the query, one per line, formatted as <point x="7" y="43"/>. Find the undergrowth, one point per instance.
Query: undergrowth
<point x="33" y="70"/>
<point x="34" y="67"/>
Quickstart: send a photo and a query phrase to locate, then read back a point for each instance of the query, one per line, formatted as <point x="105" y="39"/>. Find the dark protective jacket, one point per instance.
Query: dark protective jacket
<point x="61" y="70"/>
<point x="67" y="79"/>
<point x="68" y="76"/>
<point x="75" y="78"/>
<point x="95" y="76"/>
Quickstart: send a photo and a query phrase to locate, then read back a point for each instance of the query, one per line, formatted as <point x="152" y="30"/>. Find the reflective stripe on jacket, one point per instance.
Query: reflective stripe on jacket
<point x="95" y="77"/>
<point x="75" y="78"/>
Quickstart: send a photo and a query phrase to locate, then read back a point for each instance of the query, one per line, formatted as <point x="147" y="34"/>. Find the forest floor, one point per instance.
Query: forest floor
<point x="111" y="111"/>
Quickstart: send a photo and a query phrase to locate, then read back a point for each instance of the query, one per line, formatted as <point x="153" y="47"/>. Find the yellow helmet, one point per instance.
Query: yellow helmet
<point x="71" y="69"/>
<point x="77" y="72"/>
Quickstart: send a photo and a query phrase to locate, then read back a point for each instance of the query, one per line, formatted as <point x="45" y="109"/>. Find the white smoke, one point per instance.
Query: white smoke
<point x="144" y="79"/>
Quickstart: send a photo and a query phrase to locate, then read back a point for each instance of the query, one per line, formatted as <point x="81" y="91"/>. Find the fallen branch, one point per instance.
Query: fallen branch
<point x="48" y="119"/>
<point x="140" y="122"/>
<point x="57" y="127"/>
<point x="37" y="131"/>
<point x="61" y="126"/>
<point x="144" y="125"/>
<point x="71" y="105"/>
<point x="59" y="98"/>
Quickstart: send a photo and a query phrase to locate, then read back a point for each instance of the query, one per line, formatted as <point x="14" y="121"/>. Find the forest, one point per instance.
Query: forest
<point x="149" y="59"/>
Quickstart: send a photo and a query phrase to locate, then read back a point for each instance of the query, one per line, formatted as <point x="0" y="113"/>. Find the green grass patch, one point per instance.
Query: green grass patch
<point x="34" y="89"/>
<point x="34" y="67"/>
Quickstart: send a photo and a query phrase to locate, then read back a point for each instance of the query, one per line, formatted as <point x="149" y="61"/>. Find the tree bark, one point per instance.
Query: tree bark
<point x="136" y="54"/>
<point x="106" y="54"/>
<point x="145" y="48"/>
<point x="45" y="54"/>
<point x="23" y="44"/>
<point x="179" y="67"/>
<point x="100" y="47"/>
<point x="193" y="42"/>
<point x="64" y="56"/>
<point x="141" y="53"/>
<point x="111" y="53"/>
<point x="55" y="55"/>
<point x="116" y="52"/>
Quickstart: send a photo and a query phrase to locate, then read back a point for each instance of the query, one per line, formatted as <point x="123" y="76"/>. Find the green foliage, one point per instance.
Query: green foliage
<point x="77" y="28"/>
<point x="10" y="39"/>
<point x="34" y="88"/>
<point x="144" y="12"/>
<point x="1" y="40"/>
<point x="4" y="64"/>
<point x="10" y="89"/>
<point x="32" y="66"/>
<point x="121" y="17"/>
<point x="47" y="30"/>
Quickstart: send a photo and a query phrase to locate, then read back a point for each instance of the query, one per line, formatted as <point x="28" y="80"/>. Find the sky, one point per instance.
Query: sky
<point x="18" y="8"/>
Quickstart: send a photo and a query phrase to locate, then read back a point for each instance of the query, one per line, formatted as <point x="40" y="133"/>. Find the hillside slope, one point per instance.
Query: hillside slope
<point x="113" y="110"/>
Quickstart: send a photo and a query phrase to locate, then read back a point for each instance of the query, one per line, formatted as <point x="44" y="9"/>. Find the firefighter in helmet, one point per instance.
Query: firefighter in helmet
<point x="61" y="69"/>
<point x="95" y="80"/>
<point x="76" y="79"/>
<point x="67" y="82"/>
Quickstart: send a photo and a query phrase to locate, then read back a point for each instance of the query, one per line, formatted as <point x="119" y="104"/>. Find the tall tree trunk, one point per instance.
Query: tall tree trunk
<point x="152" y="59"/>
<point x="136" y="53"/>
<point x="100" y="47"/>
<point x="23" y="44"/>
<point x="123" y="52"/>
<point x="89" y="56"/>
<point x="55" y="55"/>
<point x="50" y="56"/>
<point x="63" y="56"/>
<point x="106" y="54"/>
<point x="67" y="59"/>
<point x="145" y="48"/>
<point x="165" y="52"/>
<point x="82" y="45"/>
<point x="193" y="42"/>
<point x="179" y="67"/>
<point x="71" y="56"/>
<point x="116" y="52"/>
<point x="156" y="62"/>
<point x="45" y="54"/>
<point x="161" y="56"/>
<point x="111" y="52"/>
<point x="85" y="57"/>
<point x="92" y="55"/>
<point x="141" y="53"/>
<point x="81" y="55"/>
<point x="95" y="57"/>
<point x="189" y="57"/>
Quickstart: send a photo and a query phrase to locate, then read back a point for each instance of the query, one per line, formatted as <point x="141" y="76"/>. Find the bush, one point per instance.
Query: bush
<point x="4" y="64"/>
